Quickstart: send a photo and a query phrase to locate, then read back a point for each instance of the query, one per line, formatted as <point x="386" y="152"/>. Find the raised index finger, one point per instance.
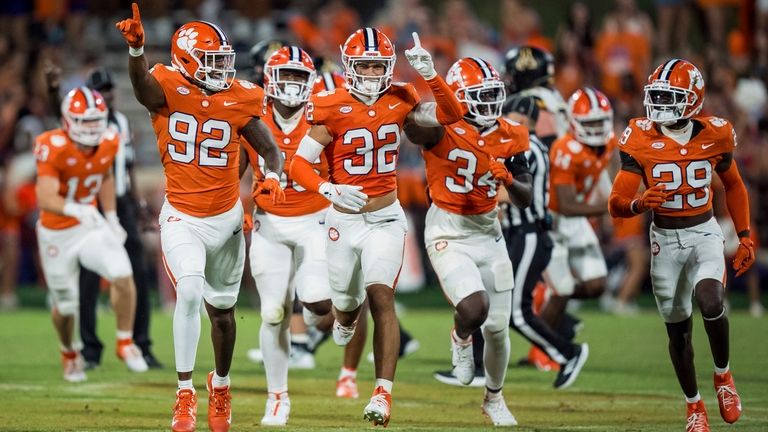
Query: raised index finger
<point x="416" y="41"/>
<point x="136" y="15"/>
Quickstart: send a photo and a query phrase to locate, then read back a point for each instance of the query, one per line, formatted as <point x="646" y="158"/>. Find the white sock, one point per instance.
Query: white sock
<point x="124" y="334"/>
<point x="275" y="343"/>
<point x="347" y="372"/>
<point x="693" y="399"/>
<point x="186" y="321"/>
<point x="387" y="384"/>
<point x="300" y="338"/>
<point x="721" y="371"/>
<point x="186" y="384"/>
<point x="496" y="357"/>
<point x="219" y="382"/>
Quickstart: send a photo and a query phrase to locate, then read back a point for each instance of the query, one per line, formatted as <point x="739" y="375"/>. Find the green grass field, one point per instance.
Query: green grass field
<point x="627" y="384"/>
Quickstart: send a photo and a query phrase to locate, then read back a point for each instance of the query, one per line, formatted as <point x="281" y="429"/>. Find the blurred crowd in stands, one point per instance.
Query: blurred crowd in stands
<point x="609" y="44"/>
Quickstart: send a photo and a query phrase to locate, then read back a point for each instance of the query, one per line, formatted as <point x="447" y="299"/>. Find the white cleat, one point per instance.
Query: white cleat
<point x="462" y="359"/>
<point x="277" y="410"/>
<point x="131" y="355"/>
<point x="255" y="355"/>
<point x="496" y="409"/>
<point x="301" y="359"/>
<point x="341" y="334"/>
<point x="379" y="408"/>
<point x="74" y="367"/>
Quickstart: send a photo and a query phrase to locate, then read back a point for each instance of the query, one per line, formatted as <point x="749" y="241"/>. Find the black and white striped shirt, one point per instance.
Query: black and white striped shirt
<point x="537" y="212"/>
<point x="125" y="153"/>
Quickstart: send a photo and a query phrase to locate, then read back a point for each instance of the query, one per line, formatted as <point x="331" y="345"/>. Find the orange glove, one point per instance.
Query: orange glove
<point x="272" y="187"/>
<point x="500" y="173"/>
<point x="132" y="30"/>
<point x="652" y="198"/>
<point x="745" y="256"/>
<point x="247" y="222"/>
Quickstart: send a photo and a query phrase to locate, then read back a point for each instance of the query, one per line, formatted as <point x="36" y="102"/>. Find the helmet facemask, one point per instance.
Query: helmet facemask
<point x="290" y="84"/>
<point x="215" y="68"/>
<point x="87" y="128"/>
<point x="484" y="101"/>
<point x="368" y="85"/>
<point x="594" y="129"/>
<point x="666" y="104"/>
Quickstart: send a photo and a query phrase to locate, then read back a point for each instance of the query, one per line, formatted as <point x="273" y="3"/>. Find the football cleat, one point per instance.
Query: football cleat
<point x="727" y="397"/>
<point x="346" y="387"/>
<point x="219" y="406"/>
<point x="379" y="408"/>
<point x="447" y="377"/>
<point x="697" y="418"/>
<point x="131" y="355"/>
<point x="541" y="360"/>
<point x="74" y="367"/>
<point x="300" y="358"/>
<point x="255" y="355"/>
<point x="496" y="409"/>
<point x="463" y="361"/>
<point x="570" y="370"/>
<point x="277" y="410"/>
<point x="341" y="334"/>
<point x="185" y="411"/>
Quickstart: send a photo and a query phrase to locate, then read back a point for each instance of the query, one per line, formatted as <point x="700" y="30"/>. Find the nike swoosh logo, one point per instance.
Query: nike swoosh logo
<point x="394" y="106"/>
<point x="227" y="103"/>
<point x="506" y="140"/>
<point x="706" y="146"/>
<point x="237" y="231"/>
<point x="498" y="239"/>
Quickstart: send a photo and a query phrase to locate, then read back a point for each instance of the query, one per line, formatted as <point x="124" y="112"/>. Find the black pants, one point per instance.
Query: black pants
<point x="127" y="211"/>
<point x="530" y="249"/>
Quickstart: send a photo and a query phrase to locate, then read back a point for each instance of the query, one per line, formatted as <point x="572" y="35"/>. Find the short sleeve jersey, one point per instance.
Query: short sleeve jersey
<point x="366" y="139"/>
<point x="198" y="137"/>
<point x="685" y="169"/>
<point x="80" y="175"/>
<point x="297" y="200"/>
<point x="573" y="163"/>
<point x="458" y="167"/>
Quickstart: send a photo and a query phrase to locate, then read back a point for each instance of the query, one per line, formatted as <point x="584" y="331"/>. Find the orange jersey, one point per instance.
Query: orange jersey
<point x="366" y="138"/>
<point x="458" y="167"/>
<point x="573" y="163"/>
<point x="80" y="176"/>
<point x="198" y="136"/>
<point x="685" y="169"/>
<point x="297" y="200"/>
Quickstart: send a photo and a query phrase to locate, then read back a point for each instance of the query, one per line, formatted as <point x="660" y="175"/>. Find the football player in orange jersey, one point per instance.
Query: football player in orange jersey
<point x="358" y="129"/>
<point x="201" y="114"/>
<point x="674" y="151"/>
<point x="465" y="162"/>
<point x="578" y="160"/>
<point x="288" y="241"/>
<point x="73" y="169"/>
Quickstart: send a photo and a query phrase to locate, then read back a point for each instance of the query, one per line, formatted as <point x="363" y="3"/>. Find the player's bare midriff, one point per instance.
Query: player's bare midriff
<point x="681" y="222"/>
<point x="375" y="203"/>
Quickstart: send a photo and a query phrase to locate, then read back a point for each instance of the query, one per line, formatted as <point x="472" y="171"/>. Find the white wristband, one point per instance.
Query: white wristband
<point x="111" y="217"/>
<point x="272" y="175"/>
<point x="136" y="52"/>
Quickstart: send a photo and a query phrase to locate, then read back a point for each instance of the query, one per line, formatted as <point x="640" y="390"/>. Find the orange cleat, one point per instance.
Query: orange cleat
<point x="727" y="397"/>
<point x="379" y="408"/>
<point x="219" y="406"/>
<point x="697" y="418"/>
<point x="346" y="388"/>
<point x="185" y="411"/>
<point x="541" y="360"/>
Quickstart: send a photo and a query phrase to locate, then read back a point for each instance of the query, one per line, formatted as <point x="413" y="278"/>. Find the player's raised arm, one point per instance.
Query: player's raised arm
<point x="260" y="138"/>
<point x="146" y="88"/>
<point x="446" y="109"/>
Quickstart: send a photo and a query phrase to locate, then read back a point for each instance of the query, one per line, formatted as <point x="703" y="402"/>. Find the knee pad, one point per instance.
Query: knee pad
<point x="189" y="293"/>
<point x="346" y="302"/>
<point x="272" y="313"/>
<point x="67" y="307"/>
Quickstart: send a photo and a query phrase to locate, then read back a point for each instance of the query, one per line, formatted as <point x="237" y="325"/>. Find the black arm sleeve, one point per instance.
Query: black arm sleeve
<point x="724" y="163"/>
<point x="517" y="165"/>
<point x="628" y="163"/>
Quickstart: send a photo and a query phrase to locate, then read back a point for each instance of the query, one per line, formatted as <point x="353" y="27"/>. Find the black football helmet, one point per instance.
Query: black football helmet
<point x="527" y="67"/>
<point x="259" y="54"/>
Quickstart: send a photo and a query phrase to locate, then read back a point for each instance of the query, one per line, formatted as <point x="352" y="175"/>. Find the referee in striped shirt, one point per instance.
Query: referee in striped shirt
<point x="530" y="249"/>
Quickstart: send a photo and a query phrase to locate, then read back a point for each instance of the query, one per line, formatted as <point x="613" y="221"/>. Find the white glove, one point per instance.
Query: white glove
<point x="346" y="196"/>
<point x="114" y="225"/>
<point x="420" y="59"/>
<point x="87" y="214"/>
